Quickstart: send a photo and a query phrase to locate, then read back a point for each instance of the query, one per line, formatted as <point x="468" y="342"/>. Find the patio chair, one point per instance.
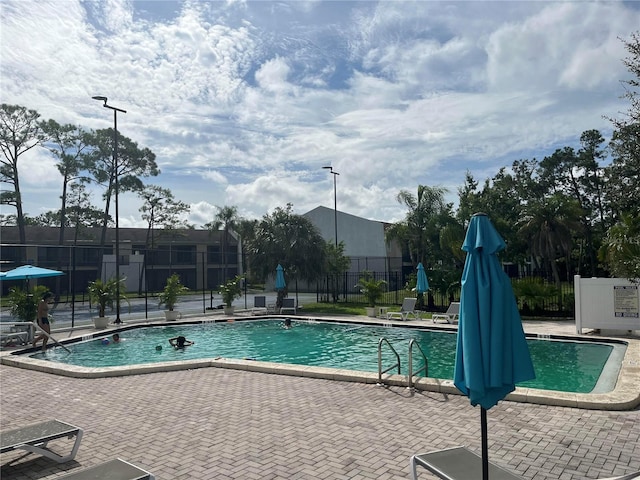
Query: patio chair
<point x="259" y="305"/>
<point x="452" y="315"/>
<point x="288" y="305"/>
<point x="460" y="463"/>
<point x="34" y="439"/>
<point x="117" y="469"/>
<point x="457" y="463"/>
<point x="408" y="308"/>
<point x="271" y="307"/>
<point x="629" y="476"/>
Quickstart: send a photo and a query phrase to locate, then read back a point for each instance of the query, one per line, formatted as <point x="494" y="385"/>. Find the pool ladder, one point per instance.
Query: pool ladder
<point x="397" y="364"/>
<point x="424" y="369"/>
<point x="410" y="372"/>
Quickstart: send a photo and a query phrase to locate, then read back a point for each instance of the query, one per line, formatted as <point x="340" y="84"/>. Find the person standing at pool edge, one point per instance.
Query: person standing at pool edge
<point x="180" y="342"/>
<point x="43" y="320"/>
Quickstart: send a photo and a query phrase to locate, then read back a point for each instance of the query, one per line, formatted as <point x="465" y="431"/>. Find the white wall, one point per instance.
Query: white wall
<point x="606" y="303"/>
<point x="131" y="272"/>
<point x="361" y="237"/>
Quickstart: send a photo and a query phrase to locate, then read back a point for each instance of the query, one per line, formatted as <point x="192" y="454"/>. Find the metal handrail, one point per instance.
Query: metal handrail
<point x="38" y="327"/>
<point x="32" y="328"/>
<point x="380" y="371"/>
<point x="424" y="369"/>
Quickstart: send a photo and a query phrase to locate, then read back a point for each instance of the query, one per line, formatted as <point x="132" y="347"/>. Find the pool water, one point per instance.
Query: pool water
<point x="559" y="365"/>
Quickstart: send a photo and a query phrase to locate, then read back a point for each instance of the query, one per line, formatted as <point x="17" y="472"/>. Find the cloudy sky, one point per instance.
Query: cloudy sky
<point x="243" y="102"/>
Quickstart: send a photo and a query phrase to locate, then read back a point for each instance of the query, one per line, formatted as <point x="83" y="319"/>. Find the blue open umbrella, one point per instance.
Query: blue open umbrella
<point x="492" y="353"/>
<point x="29" y="271"/>
<point x="422" y="284"/>
<point x="280" y="283"/>
<point x="26" y="272"/>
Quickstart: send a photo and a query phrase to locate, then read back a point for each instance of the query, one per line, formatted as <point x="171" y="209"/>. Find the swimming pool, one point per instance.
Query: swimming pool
<point x="565" y="366"/>
<point x="621" y="372"/>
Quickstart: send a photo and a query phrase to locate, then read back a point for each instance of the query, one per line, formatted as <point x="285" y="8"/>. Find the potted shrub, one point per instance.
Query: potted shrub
<point x="229" y="292"/>
<point x="24" y="304"/>
<point x="372" y="290"/>
<point x="169" y="296"/>
<point x="104" y="294"/>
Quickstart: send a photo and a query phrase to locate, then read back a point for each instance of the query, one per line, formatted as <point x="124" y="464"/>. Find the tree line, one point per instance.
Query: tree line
<point x="576" y="211"/>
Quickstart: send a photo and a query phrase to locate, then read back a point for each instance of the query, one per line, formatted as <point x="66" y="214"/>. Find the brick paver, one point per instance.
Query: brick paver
<point x="227" y="424"/>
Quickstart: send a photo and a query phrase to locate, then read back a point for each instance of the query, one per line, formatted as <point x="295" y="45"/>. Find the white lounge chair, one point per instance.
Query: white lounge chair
<point x="457" y="463"/>
<point x="408" y="308"/>
<point x="34" y="438"/>
<point x="259" y="305"/>
<point x="452" y="315"/>
<point x="288" y="305"/>
<point x="271" y="307"/>
<point x="460" y="463"/>
<point x="117" y="469"/>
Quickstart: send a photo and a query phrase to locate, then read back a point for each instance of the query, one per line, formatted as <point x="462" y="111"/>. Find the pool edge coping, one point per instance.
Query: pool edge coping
<point x="624" y="396"/>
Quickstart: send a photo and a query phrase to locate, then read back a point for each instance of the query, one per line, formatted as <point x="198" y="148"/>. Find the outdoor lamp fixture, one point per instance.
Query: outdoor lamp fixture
<point x="115" y="185"/>
<point x="335" y="201"/>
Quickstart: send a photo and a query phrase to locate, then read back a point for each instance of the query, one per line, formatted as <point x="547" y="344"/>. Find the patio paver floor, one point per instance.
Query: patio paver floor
<point x="223" y="424"/>
<point x="226" y="424"/>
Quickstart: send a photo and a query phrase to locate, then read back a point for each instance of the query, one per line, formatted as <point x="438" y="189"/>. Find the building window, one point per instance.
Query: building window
<point x="213" y="254"/>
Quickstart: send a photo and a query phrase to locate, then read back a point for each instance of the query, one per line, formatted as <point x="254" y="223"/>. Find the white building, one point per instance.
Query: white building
<point x="364" y="239"/>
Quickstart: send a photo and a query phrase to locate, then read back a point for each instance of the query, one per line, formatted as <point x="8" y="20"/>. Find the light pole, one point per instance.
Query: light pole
<point x="115" y="185"/>
<point x="335" y="201"/>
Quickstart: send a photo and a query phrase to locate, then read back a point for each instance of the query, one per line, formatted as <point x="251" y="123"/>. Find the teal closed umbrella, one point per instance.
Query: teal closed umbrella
<point x="492" y="353"/>
<point x="422" y="284"/>
<point x="280" y="283"/>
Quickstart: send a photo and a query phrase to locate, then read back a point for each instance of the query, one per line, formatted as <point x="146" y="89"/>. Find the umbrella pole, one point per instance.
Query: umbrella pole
<point x="485" y="443"/>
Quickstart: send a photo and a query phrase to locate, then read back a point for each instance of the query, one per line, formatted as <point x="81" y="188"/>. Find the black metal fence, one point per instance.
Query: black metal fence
<point x="203" y="269"/>
<point x="145" y="270"/>
<point x="535" y="296"/>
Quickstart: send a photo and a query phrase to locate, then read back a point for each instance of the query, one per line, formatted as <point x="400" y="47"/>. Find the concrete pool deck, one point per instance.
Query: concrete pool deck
<point x="222" y="424"/>
<point x="624" y="396"/>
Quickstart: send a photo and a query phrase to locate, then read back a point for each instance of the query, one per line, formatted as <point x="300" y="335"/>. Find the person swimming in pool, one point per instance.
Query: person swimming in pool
<point x="180" y="342"/>
<point x="287" y="323"/>
<point x="116" y="337"/>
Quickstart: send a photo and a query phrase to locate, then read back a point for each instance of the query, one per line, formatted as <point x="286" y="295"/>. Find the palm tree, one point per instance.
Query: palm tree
<point x="290" y="240"/>
<point x="451" y="240"/>
<point x="549" y="225"/>
<point x="246" y="229"/>
<point x="226" y="218"/>
<point x="336" y="264"/>
<point x="621" y="249"/>
<point x="421" y="222"/>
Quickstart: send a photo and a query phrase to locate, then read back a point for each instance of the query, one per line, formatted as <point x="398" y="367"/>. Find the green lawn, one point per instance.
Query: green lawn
<point x="347" y="309"/>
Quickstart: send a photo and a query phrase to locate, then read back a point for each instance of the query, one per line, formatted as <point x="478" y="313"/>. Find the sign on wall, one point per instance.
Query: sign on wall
<point x="606" y="303"/>
<point x="625" y="301"/>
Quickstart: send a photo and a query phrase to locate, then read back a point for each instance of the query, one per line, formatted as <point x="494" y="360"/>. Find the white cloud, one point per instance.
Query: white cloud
<point x="243" y="102"/>
<point x="272" y="76"/>
<point x="38" y="168"/>
<point x="201" y="212"/>
<point x="551" y="51"/>
<point x="214" y="176"/>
